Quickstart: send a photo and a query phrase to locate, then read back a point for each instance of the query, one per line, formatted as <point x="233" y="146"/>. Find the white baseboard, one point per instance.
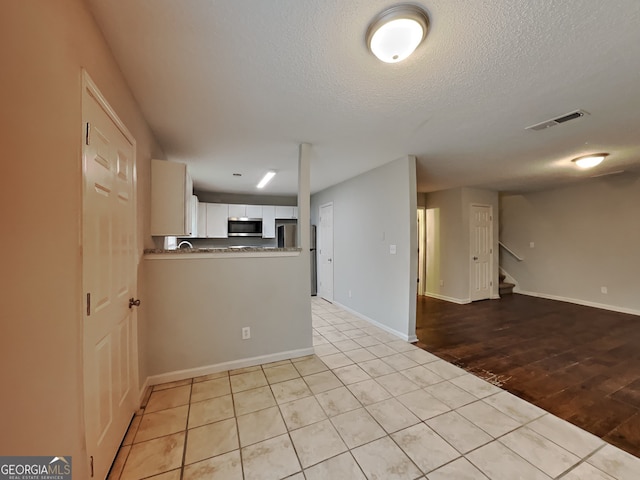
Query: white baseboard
<point x="459" y="301"/>
<point x="586" y="303"/>
<point x="143" y="390"/>
<point x="221" y="367"/>
<point x="403" y="336"/>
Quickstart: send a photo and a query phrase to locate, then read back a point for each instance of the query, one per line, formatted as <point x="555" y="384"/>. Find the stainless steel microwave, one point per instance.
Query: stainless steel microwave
<point x="244" y="227"/>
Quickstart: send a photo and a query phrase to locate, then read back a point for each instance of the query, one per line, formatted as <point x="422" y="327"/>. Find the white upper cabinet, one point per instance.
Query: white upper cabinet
<point x="237" y="211"/>
<point x="171" y="199"/>
<point x="217" y="220"/>
<point x="254" y="211"/>
<point x="202" y="220"/>
<point x="286" y="212"/>
<point x="268" y="221"/>
<point x="245" y="211"/>
<point x="194" y="216"/>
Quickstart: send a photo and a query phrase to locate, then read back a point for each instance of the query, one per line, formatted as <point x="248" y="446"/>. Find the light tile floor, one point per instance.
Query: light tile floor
<point x="366" y="406"/>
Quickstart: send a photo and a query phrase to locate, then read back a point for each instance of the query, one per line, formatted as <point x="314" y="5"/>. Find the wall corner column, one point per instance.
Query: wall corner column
<point x="304" y="196"/>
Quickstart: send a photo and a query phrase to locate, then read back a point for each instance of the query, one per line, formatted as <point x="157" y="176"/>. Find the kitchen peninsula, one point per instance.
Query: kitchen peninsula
<point x="218" y="252"/>
<point x="218" y="307"/>
<point x="196" y="318"/>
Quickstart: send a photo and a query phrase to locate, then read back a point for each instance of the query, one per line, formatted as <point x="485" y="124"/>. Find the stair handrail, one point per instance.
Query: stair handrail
<point x="515" y="255"/>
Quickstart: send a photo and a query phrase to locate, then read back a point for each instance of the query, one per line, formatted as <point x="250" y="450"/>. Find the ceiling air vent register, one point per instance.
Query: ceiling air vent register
<point x="558" y="120"/>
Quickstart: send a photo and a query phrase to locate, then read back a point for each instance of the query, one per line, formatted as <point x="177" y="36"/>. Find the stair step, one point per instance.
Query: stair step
<point x="506" y="288"/>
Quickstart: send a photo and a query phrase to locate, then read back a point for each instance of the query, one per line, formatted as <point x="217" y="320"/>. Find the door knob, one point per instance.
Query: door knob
<point x="134" y="302"/>
<point x="475" y="258"/>
<point x="329" y="260"/>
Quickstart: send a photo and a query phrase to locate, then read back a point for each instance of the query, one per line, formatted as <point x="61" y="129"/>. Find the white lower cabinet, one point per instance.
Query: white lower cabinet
<point x="217" y="220"/>
<point x="268" y="221"/>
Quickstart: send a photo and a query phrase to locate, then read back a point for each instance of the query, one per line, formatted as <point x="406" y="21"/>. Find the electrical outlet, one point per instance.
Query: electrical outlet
<point x="246" y="333"/>
<point x="604" y="290"/>
<point x="442" y="283"/>
<point x="392" y="249"/>
<point x="532" y="245"/>
<point x="349" y="293"/>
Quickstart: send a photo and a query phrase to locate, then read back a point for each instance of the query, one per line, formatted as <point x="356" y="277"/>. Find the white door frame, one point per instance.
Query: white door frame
<point x="322" y="278"/>
<point x="471" y="252"/>
<point x="89" y="88"/>
<point x="422" y="250"/>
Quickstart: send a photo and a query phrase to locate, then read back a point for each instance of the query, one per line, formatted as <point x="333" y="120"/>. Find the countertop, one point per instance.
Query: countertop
<point x="218" y="252"/>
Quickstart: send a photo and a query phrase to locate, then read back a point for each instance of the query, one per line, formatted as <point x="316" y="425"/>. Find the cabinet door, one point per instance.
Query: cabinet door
<point x="237" y="211"/>
<point x="217" y="218"/>
<point x="194" y="217"/>
<point x="170" y="199"/>
<point x="202" y="220"/>
<point x="189" y="197"/>
<point x="268" y="221"/>
<point x="284" y="212"/>
<point x="254" y="211"/>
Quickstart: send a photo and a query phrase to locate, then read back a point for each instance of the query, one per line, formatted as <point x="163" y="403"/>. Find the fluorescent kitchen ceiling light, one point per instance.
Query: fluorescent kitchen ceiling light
<point x="266" y="179"/>
<point x="590" y="161"/>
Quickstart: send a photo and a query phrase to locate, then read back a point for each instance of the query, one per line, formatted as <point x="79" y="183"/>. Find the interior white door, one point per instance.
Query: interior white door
<point x="109" y="280"/>
<point x="481" y="251"/>
<point x="325" y="252"/>
<point x="422" y="242"/>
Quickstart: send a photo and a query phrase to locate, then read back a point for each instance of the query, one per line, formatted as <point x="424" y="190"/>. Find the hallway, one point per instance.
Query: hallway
<point x="579" y="363"/>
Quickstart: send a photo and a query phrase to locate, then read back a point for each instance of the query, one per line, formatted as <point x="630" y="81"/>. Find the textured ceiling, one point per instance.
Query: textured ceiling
<point x="234" y="86"/>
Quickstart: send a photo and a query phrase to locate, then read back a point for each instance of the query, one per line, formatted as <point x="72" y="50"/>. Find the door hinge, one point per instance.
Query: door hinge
<point x="89" y="308"/>
<point x="88" y="132"/>
<point x="91" y="464"/>
<point x="491" y="283"/>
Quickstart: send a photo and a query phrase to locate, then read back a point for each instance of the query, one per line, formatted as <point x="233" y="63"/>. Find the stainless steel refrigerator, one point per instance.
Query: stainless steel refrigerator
<point x="288" y="238"/>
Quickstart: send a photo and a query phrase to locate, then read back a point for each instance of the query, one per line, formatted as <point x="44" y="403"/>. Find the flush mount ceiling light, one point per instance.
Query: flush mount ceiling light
<point x="266" y="179"/>
<point x="590" y="161"/>
<point x="395" y="33"/>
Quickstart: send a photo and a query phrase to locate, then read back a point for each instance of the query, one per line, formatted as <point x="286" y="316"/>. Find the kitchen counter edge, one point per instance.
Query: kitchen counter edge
<point x="193" y="253"/>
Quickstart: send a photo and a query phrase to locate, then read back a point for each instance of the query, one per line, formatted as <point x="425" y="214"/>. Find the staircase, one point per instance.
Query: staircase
<point x="505" y="288"/>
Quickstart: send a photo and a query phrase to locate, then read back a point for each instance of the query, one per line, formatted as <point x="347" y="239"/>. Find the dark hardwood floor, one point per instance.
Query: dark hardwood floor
<point x="579" y="363"/>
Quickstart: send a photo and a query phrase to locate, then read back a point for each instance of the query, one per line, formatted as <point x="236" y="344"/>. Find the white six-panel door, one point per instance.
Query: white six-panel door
<point x="481" y="251"/>
<point x="109" y="279"/>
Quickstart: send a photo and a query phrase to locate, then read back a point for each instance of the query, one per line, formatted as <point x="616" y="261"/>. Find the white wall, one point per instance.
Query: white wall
<point x="43" y="46"/>
<point x="585" y="236"/>
<point x="447" y="269"/>
<point x="448" y="241"/>
<point x="371" y="212"/>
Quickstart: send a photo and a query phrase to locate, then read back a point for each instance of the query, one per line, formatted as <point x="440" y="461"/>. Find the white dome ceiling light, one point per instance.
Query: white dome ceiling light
<point x="590" y="161"/>
<point x="395" y="33"/>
